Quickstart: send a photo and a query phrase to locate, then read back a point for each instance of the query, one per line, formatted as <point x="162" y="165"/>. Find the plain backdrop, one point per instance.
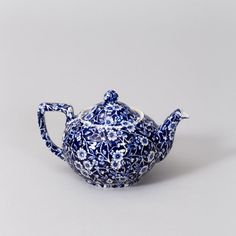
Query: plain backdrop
<point x="158" y="55"/>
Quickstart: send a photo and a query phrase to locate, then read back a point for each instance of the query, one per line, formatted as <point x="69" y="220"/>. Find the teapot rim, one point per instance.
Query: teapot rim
<point x="107" y="126"/>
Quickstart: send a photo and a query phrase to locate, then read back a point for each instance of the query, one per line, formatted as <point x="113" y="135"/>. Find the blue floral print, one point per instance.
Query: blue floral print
<point x="110" y="145"/>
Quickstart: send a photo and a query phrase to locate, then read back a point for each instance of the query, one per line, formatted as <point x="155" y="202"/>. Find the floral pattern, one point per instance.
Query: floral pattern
<point x="111" y="145"/>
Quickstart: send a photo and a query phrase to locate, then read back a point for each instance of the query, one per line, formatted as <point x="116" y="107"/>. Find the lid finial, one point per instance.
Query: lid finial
<point x="110" y="96"/>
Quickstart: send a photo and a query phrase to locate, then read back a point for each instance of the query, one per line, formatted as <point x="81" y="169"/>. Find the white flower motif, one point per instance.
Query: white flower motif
<point x="81" y="154"/>
<point x="109" y="108"/>
<point x="88" y="165"/>
<point x="118" y="155"/>
<point x="116" y="165"/>
<point x="144" y="141"/>
<point x="151" y="156"/>
<point x="108" y="121"/>
<point x="112" y="135"/>
<point x="131" y="127"/>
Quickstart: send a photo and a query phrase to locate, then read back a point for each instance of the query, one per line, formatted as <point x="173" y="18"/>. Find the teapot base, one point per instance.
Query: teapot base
<point x="107" y="185"/>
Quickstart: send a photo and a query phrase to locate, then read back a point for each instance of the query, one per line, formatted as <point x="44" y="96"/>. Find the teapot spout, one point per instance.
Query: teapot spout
<point x="183" y="114"/>
<point x="166" y="132"/>
<point x="174" y="118"/>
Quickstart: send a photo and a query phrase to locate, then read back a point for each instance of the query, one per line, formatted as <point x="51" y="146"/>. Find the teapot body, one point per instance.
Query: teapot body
<point x="109" y="156"/>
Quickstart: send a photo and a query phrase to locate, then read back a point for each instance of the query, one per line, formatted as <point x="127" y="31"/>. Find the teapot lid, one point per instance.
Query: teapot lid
<point x="111" y="112"/>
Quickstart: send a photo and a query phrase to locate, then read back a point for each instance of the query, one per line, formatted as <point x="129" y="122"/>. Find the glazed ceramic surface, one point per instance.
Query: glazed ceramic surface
<point x="111" y="145"/>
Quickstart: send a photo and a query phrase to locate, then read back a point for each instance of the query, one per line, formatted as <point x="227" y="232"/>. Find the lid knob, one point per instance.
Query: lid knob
<point x="110" y="96"/>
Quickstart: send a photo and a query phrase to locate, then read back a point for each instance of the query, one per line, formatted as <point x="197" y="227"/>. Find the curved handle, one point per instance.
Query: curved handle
<point x="43" y="107"/>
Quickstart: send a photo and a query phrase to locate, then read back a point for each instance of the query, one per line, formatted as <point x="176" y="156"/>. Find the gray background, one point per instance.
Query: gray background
<point x="159" y="55"/>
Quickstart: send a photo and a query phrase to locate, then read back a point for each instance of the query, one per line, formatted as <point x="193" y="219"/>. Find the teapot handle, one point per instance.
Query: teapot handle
<point x="43" y="107"/>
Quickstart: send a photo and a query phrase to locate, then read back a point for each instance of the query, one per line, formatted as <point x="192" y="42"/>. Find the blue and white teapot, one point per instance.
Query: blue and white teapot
<point x="111" y="145"/>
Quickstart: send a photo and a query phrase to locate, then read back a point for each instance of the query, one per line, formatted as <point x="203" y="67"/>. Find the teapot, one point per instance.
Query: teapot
<point x="111" y="145"/>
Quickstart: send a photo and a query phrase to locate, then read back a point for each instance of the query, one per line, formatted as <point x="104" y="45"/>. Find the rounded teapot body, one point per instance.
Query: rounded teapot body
<point x="110" y="156"/>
